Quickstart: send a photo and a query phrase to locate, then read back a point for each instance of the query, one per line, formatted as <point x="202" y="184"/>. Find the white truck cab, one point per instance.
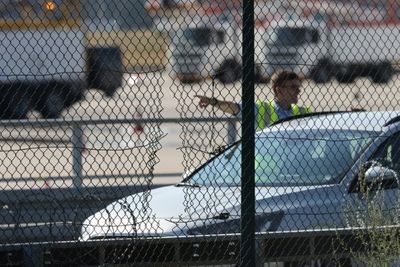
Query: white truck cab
<point x="295" y="44"/>
<point x="207" y="49"/>
<point x="212" y="48"/>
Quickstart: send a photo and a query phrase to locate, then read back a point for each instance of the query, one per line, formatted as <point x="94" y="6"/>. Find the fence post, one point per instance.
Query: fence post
<point x="247" y="218"/>
<point x="232" y="131"/>
<point x="77" y="147"/>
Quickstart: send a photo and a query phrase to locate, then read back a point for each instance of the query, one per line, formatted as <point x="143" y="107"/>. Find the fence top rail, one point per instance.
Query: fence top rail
<point x="75" y="122"/>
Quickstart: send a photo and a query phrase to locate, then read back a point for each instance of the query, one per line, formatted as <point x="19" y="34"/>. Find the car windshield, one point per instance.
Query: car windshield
<point x="289" y="158"/>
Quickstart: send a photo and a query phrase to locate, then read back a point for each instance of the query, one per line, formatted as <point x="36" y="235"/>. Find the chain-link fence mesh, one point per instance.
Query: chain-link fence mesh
<point x="121" y="132"/>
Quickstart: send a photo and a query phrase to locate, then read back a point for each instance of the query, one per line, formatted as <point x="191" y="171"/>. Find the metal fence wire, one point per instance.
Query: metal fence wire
<point x="128" y="136"/>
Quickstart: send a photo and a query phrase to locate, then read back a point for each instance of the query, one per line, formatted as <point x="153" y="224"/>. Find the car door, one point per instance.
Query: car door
<point x="375" y="202"/>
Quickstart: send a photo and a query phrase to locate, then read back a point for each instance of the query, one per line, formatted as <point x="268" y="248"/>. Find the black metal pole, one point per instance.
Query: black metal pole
<point x="247" y="223"/>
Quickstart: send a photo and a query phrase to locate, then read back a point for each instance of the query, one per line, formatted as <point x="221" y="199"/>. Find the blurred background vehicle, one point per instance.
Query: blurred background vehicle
<point x="45" y="60"/>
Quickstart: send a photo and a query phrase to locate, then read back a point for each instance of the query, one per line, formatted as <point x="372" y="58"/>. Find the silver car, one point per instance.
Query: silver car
<point x="307" y="177"/>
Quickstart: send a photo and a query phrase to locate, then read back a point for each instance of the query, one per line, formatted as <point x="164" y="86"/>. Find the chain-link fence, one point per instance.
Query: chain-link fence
<point x="122" y="126"/>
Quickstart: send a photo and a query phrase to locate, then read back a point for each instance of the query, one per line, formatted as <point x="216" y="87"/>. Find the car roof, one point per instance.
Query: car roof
<point x="362" y="121"/>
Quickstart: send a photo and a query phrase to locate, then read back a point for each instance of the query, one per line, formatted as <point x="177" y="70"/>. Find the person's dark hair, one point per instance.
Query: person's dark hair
<point x="278" y="78"/>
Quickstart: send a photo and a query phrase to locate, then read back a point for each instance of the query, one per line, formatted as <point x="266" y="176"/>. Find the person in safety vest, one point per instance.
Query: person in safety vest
<point x="286" y="89"/>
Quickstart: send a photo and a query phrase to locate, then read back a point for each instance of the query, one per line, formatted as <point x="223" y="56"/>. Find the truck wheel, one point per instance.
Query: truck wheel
<point x="345" y="75"/>
<point x="15" y="99"/>
<point x="322" y="72"/>
<point x="53" y="106"/>
<point x="17" y="109"/>
<point x="229" y="72"/>
<point x="382" y="73"/>
<point x="321" y="76"/>
<point x="104" y="69"/>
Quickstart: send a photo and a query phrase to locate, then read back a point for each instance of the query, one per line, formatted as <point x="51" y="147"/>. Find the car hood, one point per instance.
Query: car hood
<point x="176" y="210"/>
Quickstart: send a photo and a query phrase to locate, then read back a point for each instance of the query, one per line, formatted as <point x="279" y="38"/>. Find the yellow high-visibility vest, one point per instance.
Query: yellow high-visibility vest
<point x="273" y="115"/>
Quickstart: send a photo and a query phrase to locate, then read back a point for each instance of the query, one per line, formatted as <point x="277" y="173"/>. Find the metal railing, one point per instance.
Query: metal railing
<point x="77" y="140"/>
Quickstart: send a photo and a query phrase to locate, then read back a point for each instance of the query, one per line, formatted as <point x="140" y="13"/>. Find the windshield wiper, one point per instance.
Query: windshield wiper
<point x="216" y="151"/>
<point x="188" y="185"/>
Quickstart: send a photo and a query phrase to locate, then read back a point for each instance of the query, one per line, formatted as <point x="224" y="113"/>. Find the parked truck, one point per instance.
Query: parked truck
<point x="321" y="49"/>
<point x="45" y="64"/>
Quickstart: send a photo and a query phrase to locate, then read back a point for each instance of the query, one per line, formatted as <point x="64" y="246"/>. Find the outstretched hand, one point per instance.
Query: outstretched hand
<point x="222" y="105"/>
<point x="204" y="101"/>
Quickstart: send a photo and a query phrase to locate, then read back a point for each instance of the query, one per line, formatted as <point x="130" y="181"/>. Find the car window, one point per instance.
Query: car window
<point x="313" y="159"/>
<point x="388" y="154"/>
<point x="289" y="158"/>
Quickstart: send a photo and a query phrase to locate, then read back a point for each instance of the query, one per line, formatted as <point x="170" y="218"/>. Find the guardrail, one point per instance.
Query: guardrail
<point x="77" y="140"/>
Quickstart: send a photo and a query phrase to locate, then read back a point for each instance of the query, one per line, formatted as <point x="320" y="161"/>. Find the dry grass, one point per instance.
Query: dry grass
<point x="140" y="48"/>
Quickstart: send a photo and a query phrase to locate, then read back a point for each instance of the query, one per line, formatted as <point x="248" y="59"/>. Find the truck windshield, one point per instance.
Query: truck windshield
<point x="289" y="158"/>
<point x="199" y="36"/>
<point x="288" y="36"/>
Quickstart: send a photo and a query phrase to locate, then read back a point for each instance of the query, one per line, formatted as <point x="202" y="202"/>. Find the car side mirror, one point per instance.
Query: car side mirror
<point x="380" y="174"/>
<point x="378" y="177"/>
<point x="374" y="176"/>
